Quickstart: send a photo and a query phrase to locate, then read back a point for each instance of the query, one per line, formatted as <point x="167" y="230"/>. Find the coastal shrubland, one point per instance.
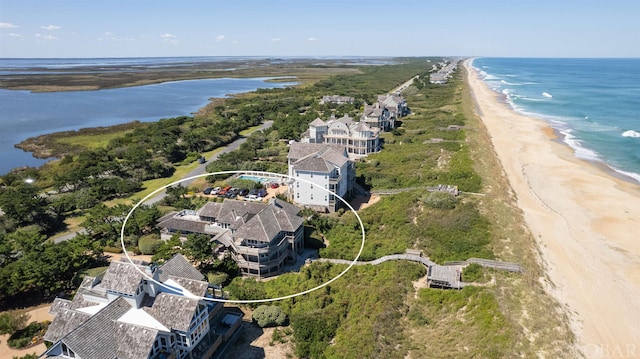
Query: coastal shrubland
<point x="371" y="311"/>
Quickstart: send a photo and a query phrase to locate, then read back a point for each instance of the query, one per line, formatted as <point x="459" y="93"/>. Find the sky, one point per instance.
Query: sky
<point x="149" y="28"/>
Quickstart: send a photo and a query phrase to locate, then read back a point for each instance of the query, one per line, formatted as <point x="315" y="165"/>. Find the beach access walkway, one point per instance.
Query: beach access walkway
<point x="448" y="275"/>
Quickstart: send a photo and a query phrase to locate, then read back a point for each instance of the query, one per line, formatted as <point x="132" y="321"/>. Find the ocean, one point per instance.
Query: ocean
<point x="24" y="114"/>
<point x="593" y="103"/>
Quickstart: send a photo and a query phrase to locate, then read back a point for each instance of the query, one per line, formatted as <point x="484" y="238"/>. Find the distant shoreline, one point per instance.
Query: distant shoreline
<point x="91" y="77"/>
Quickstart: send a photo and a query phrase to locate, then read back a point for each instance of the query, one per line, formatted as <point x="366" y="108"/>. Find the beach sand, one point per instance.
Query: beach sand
<point x="586" y="223"/>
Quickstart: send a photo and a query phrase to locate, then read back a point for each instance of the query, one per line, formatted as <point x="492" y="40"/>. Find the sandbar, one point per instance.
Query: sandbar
<point x="586" y="223"/>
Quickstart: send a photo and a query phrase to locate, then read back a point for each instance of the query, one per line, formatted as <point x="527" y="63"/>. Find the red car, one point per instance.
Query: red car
<point x="274" y="185"/>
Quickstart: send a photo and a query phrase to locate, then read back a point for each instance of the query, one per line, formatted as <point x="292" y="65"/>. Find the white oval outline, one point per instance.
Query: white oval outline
<point x="244" y="301"/>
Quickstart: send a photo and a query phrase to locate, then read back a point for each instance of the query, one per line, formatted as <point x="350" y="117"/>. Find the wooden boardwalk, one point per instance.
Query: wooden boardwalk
<point x="440" y="276"/>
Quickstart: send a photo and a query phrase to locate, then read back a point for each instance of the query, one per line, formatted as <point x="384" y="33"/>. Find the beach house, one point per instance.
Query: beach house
<point x="320" y="171"/>
<point x="261" y="237"/>
<point x="139" y="310"/>
<point x="357" y="137"/>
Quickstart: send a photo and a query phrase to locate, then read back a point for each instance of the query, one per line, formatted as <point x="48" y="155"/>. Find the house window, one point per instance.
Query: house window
<point x="311" y="175"/>
<point x="297" y="194"/>
<point x="67" y="352"/>
<point x="312" y="196"/>
<point x="297" y="184"/>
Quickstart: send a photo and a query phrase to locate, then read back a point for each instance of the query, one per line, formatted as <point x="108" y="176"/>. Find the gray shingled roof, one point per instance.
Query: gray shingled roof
<point x="317" y="122"/>
<point x="95" y="338"/>
<point x="178" y="266"/>
<point x="196" y="287"/>
<point x="66" y="320"/>
<point x="133" y="342"/>
<point x="173" y="311"/>
<point x="210" y="209"/>
<point x="58" y="305"/>
<point x="314" y="164"/>
<point x="299" y="150"/>
<point x="323" y="159"/>
<point x="122" y="277"/>
<point x="269" y="222"/>
<point x="183" y="225"/>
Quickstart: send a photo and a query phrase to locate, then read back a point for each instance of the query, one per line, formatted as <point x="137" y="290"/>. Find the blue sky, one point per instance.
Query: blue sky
<point x="131" y="28"/>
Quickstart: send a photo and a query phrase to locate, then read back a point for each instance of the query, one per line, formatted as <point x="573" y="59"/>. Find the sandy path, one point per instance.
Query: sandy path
<point x="586" y="223"/>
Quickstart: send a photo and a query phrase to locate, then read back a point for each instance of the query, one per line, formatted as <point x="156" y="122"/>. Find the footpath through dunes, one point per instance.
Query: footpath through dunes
<point x="444" y="276"/>
<point x="585" y="222"/>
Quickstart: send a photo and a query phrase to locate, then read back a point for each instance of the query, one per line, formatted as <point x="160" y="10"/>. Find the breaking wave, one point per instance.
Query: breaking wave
<point x="631" y="133"/>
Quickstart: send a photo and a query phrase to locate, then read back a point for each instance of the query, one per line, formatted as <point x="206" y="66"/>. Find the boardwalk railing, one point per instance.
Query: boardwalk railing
<point x="446" y="276"/>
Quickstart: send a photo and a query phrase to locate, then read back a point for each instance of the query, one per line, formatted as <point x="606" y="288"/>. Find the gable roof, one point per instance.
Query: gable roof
<point x="66" y="321"/>
<point x="123" y="277"/>
<point x="96" y="338"/>
<point x="178" y="266"/>
<point x="173" y="311"/>
<point x="133" y="341"/>
<point x="195" y="287"/>
<point x="317" y="123"/>
<point x="183" y="225"/>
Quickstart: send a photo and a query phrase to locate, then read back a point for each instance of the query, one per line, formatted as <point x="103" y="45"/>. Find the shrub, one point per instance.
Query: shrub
<point x="11" y="322"/>
<point x="473" y="273"/>
<point x="269" y="316"/>
<point x="32" y="334"/>
<point x="440" y="200"/>
<point x="218" y="278"/>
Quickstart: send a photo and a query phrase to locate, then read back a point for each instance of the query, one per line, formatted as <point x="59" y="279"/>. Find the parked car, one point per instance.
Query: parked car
<point x="243" y="192"/>
<point x="216" y="190"/>
<point x="224" y="191"/>
<point x="207" y="190"/>
<point x="201" y="160"/>
<point x="274" y="185"/>
<point x="262" y="193"/>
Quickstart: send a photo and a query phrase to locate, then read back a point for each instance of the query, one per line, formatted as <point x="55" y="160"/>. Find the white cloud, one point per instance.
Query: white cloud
<point x="50" y="27"/>
<point x="234" y="42"/>
<point x="7" y="25"/>
<point x="13" y="34"/>
<point x="219" y="38"/>
<point x="275" y="39"/>
<point x="170" y="38"/>
<point x="312" y="39"/>
<point x="46" y="37"/>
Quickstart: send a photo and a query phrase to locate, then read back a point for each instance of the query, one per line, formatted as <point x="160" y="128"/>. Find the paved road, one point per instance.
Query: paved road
<point x="202" y="169"/>
<point x="197" y="171"/>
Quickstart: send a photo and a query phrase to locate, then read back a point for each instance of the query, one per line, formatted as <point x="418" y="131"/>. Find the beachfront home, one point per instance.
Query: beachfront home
<point x="139" y="310"/>
<point x="325" y="168"/>
<point x="377" y="116"/>
<point x="357" y="137"/>
<point x="261" y="237"/>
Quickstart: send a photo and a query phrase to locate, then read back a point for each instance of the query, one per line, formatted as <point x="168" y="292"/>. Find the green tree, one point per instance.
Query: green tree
<point x="23" y="204"/>
<point x="198" y="248"/>
<point x="269" y="316"/>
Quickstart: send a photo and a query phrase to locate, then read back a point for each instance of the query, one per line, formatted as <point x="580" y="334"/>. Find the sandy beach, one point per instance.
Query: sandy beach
<point x="585" y="221"/>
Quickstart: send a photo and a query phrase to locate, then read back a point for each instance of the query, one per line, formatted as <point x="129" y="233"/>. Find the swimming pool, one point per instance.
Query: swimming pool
<point x="254" y="178"/>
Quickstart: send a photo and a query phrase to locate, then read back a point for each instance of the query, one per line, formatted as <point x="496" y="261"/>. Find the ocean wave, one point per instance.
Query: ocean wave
<point x="546" y="94"/>
<point x="631" y="133"/>
<point x="531" y="99"/>
<point x="576" y="144"/>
